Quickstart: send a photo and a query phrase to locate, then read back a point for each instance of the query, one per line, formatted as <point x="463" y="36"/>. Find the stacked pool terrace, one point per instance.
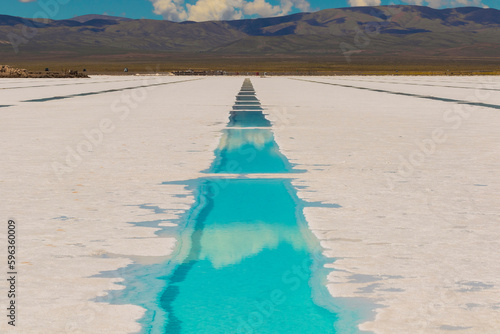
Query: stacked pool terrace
<point x="246" y="261"/>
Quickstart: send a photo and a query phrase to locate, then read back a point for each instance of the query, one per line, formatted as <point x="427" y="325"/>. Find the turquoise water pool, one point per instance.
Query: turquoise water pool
<point x="249" y="265"/>
<point x="246" y="261"/>
<point x="243" y="151"/>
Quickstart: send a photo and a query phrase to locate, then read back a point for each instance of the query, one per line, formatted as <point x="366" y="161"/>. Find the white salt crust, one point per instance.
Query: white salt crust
<point x="417" y="231"/>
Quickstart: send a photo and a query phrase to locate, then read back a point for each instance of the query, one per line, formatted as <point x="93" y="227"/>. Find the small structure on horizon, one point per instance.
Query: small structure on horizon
<point x="125" y="69"/>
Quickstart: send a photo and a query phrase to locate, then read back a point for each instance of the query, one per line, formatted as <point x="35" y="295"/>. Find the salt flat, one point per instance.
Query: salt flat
<point x="417" y="181"/>
<point x="417" y="232"/>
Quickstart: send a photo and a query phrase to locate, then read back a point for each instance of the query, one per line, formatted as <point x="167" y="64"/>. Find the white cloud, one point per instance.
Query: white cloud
<point x="287" y="5"/>
<point x="207" y="10"/>
<point x="261" y="8"/>
<point x="24" y="1"/>
<point x="172" y="10"/>
<point x="365" y="2"/>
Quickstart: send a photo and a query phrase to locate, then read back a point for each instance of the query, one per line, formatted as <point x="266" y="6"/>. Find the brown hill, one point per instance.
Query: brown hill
<point x="357" y="34"/>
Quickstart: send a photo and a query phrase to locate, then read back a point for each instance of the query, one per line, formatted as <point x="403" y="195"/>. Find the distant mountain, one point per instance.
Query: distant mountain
<point x="396" y="31"/>
<point x="88" y="17"/>
<point x="6" y="20"/>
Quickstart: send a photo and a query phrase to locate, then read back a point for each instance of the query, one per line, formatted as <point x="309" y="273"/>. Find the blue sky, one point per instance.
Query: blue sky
<point x="200" y="10"/>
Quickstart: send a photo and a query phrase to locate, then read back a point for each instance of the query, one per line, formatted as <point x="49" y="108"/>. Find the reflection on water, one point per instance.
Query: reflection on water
<point x="249" y="265"/>
<point x="246" y="261"/>
<point x="225" y="245"/>
<point x="234" y="139"/>
<point x="247" y="107"/>
<point x="247" y="112"/>
<point x="247" y="217"/>
<point x="249" y="151"/>
<point x="248" y="119"/>
<point x="250" y="260"/>
<point x="246" y="98"/>
<point x="248" y="103"/>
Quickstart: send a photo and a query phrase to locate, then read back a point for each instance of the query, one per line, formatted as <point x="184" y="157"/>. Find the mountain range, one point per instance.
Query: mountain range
<point x="404" y="32"/>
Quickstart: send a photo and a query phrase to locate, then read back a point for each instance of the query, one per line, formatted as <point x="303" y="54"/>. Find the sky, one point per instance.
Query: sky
<point x="202" y="10"/>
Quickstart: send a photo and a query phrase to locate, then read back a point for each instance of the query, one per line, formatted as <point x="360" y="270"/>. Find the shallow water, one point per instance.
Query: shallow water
<point x="248" y="119"/>
<point x="246" y="261"/>
<point x="249" y="151"/>
<point x="251" y="256"/>
<point x="249" y="265"/>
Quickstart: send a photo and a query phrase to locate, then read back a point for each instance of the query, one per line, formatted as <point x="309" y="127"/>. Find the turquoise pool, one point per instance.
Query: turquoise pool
<point x="249" y="265"/>
<point x="246" y="260"/>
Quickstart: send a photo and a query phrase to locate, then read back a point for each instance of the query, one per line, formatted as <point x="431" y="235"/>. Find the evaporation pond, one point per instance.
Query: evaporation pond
<point x="248" y="119"/>
<point x="249" y="151"/>
<point x="248" y="268"/>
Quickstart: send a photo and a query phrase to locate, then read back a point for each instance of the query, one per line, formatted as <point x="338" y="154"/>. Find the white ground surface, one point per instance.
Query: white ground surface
<point x="419" y="237"/>
<point x="418" y="231"/>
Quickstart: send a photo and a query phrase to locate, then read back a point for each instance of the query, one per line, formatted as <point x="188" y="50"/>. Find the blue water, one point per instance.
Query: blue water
<point x="247" y="98"/>
<point x="246" y="261"/>
<point x="247" y="112"/>
<point x="248" y="268"/>
<point x="249" y="151"/>
<point x="248" y="118"/>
